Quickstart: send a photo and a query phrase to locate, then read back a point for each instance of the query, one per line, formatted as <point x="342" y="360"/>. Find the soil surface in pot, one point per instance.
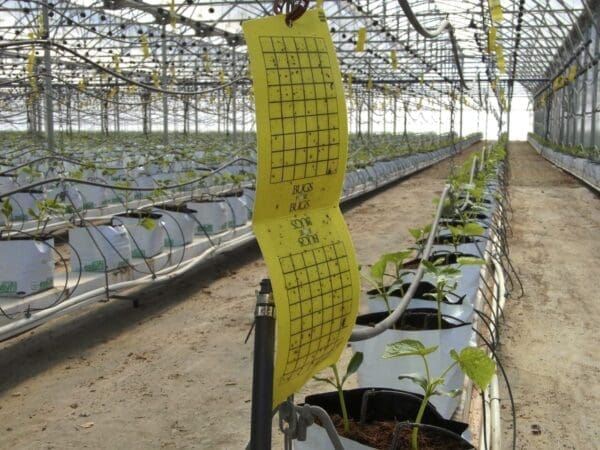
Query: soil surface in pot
<point x="380" y="434"/>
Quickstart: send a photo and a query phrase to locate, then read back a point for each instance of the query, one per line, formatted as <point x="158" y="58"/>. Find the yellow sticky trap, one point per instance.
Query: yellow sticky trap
<point x="496" y="10"/>
<point x="394" y="59"/>
<point x="320" y="4"/>
<point x="131" y="89"/>
<point x="155" y="79"/>
<point x="117" y="62"/>
<point x="302" y="150"/>
<point x="558" y="83"/>
<point x="172" y="14"/>
<point x="491" y="39"/>
<point x="145" y="46"/>
<point x="361" y="39"/>
<point x="113" y="91"/>
<point x="206" y="60"/>
<point x="369" y="84"/>
<point x="82" y="85"/>
<point x="572" y="72"/>
<point x="500" y="59"/>
<point x="41" y="31"/>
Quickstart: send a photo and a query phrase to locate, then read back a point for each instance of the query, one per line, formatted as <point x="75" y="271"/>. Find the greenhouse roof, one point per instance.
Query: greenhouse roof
<point x="119" y="43"/>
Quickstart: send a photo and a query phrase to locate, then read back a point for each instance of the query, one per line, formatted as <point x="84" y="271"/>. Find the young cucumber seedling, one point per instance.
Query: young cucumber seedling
<point x="473" y="361"/>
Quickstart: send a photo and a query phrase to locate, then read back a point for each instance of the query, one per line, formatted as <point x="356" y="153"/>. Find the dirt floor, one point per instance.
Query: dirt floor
<point x="175" y="372"/>
<point x="550" y="339"/>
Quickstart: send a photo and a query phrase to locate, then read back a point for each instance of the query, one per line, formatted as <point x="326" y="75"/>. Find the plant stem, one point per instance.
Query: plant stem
<point x="426" y="396"/>
<point x="415" y="431"/>
<point x="439" y="299"/>
<point x="342" y="399"/>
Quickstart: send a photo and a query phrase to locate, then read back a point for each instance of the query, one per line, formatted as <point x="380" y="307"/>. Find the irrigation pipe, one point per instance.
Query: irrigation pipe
<point x="485" y="429"/>
<point x="430" y="34"/>
<point x="362" y="333"/>
<point x="125" y="188"/>
<point x="494" y="399"/>
<point x="75" y="302"/>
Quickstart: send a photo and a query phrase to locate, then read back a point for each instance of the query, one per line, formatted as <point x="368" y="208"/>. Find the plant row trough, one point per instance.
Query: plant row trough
<point x="587" y="170"/>
<point x="432" y="328"/>
<point x="76" y="232"/>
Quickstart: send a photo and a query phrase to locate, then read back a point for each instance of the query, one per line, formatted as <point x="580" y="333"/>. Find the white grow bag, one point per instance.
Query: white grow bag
<point x="239" y="209"/>
<point x="100" y="248"/>
<point x="383" y="373"/>
<point x="145" y="242"/>
<point x="212" y="216"/>
<point x="94" y="196"/>
<point x="21" y="202"/>
<point x="179" y="226"/>
<point x="26" y="266"/>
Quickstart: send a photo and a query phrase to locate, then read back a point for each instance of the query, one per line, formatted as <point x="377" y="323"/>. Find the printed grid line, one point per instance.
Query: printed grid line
<point x="319" y="286"/>
<point x="303" y="112"/>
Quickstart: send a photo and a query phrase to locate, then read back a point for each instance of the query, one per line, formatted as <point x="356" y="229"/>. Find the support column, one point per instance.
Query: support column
<point x="233" y="94"/>
<point x="395" y="112"/>
<point x="164" y="85"/>
<point x="48" y="79"/>
<point x="461" y="116"/>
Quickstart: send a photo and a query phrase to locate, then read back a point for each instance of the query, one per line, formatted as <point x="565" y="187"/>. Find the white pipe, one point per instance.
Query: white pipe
<point x="496" y="434"/>
<point x="485" y="431"/>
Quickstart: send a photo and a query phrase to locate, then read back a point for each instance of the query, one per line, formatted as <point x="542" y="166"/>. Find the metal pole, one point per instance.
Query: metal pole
<point x="233" y="94"/>
<point x="461" y="98"/>
<point x="395" y="113"/>
<point x="48" y="79"/>
<point x="595" y="68"/>
<point x="196" y="103"/>
<point x="262" y="376"/>
<point x="117" y="117"/>
<point x="164" y="85"/>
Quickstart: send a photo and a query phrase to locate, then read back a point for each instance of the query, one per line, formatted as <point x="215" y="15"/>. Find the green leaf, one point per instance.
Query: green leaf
<point x="398" y="257"/>
<point x="353" y="365"/>
<point x="439" y="261"/>
<point x="430" y="266"/>
<point x="453" y="393"/>
<point x="476" y="364"/>
<point x="456" y="231"/>
<point x="148" y="223"/>
<point x="417" y="379"/>
<point x="378" y="270"/>
<point x="407" y="347"/>
<point x="415" y="233"/>
<point x="7" y="208"/>
<point x="470" y="261"/>
<point x="325" y="380"/>
<point x="473" y="229"/>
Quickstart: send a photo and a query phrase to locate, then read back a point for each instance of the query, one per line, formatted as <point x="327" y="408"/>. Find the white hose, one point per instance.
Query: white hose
<point x="496" y="434"/>
<point x="485" y="430"/>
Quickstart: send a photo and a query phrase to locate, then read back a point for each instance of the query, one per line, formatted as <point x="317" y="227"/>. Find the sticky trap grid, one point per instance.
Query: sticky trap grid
<point x="303" y="109"/>
<point x="319" y="286"/>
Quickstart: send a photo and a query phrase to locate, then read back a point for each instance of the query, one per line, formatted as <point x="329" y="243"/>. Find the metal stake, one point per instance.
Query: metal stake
<point x="262" y="376"/>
